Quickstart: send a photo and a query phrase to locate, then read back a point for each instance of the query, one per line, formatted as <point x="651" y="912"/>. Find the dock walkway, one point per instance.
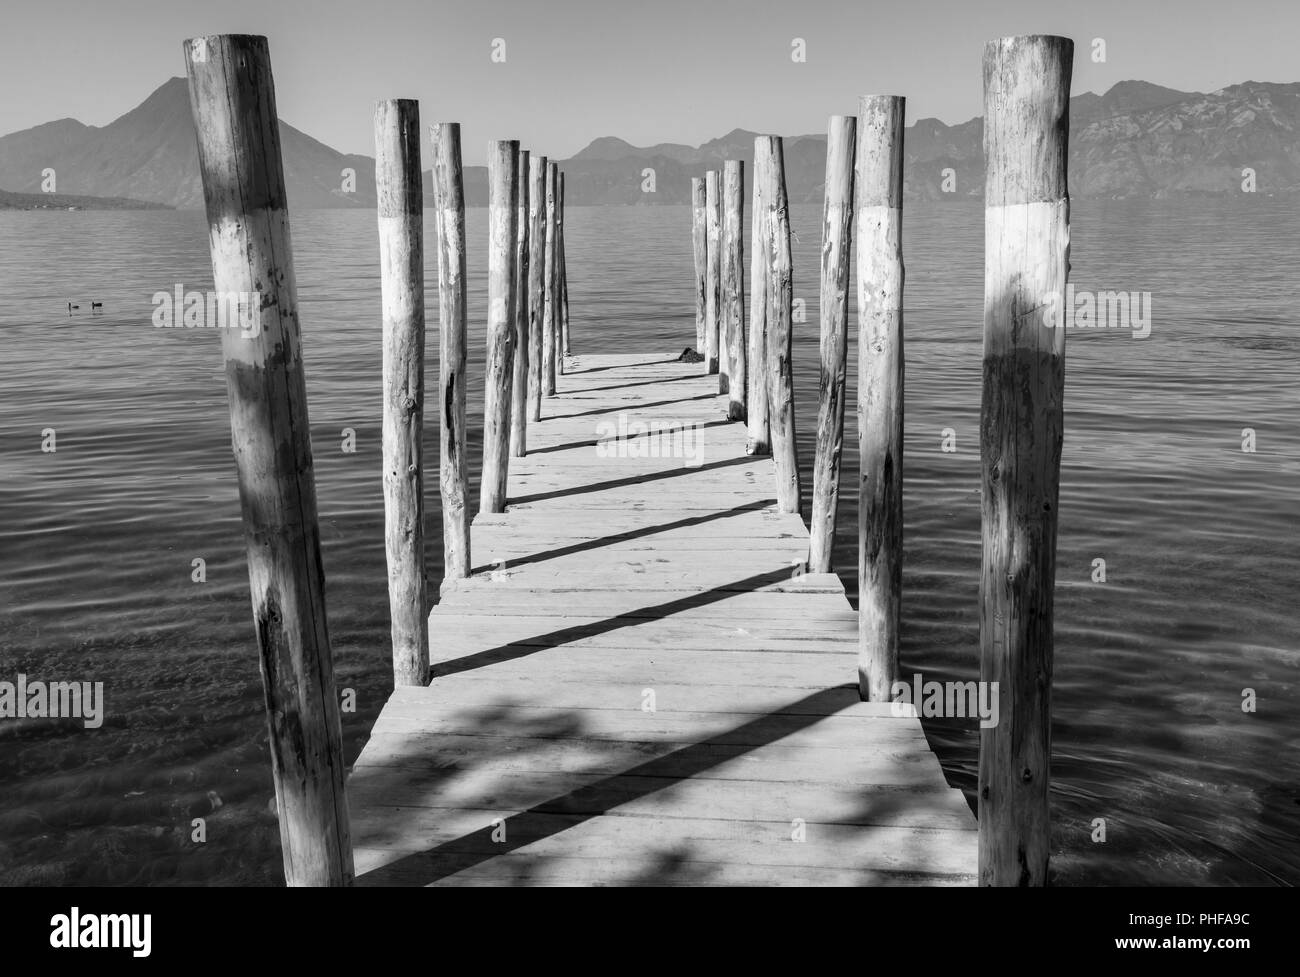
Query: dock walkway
<point x="634" y="687"/>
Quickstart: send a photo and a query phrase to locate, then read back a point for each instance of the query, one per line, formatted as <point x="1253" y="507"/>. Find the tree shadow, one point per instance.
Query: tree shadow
<point x="638" y="479"/>
<point x="631" y="534"/>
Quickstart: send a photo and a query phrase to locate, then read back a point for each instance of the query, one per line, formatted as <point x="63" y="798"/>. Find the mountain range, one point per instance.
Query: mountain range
<point x="1136" y="140"/>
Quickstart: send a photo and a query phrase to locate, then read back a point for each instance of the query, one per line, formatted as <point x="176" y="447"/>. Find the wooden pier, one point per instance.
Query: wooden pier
<point x="637" y="684"/>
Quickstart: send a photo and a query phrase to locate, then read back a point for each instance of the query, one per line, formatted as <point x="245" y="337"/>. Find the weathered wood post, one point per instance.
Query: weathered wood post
<point x="519" y="385"/>
<point x="700" y="248"/>
<point x="400" y="191"/>
<point x="564" y="284"/>
<point x="232" y="98"/>
<point x="449" y="208"/>
<point x="536" y="281"/>
<point x="733" y="286"/>
<point x="759" y="440"/>
<point x="503" y="163"/>
<point x="713" y="269"/>
<point x="837" y="243"/>
<point x="879" y="196"/>
<point x="780" y="302"/>
<point x="1026" y="263"/>
<point x="550" y="306"/>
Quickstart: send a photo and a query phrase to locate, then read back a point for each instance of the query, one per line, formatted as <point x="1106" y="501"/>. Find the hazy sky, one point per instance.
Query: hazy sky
<point x="645" y="70"/>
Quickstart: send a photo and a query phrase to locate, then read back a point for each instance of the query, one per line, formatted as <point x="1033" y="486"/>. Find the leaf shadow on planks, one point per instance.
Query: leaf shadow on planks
<point x="675" y="863"/>
<point x="616" y="408"/>
<point x="637" y="479"/>
<point x="633" y="618"/>
<point x="651" y="432"/>
<point x="631" y="534"/>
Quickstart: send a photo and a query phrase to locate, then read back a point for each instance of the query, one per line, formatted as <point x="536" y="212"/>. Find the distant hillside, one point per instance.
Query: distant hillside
<point x="1136" y="140"/>
<point x="150" y="153"/>
<point x="64" y="201"/>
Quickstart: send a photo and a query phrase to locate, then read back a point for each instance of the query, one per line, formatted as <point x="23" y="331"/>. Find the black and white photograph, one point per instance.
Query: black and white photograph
<point x="650" y="444"/>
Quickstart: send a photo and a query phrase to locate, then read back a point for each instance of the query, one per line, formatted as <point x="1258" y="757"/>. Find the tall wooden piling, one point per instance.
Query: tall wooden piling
<point x="713" y="269"/>
<point x="699" y="247"/>
<point x="733" y="286"/>
<point x="536" y="281"/>
<point x="564" y="284"/>
<point x="503" y="174"/>
<point x="879" y="197"/>
<point x="519" y="384"/>
<point x="837" y="242"/>
<point x="449" y="209"/>
<point x="780" y="361"/>
<point x="550" y="290"/>
<point x="400" y="191"/>
<point x="1026" y="255"/>
<point x="232" y="99"/>
<point x="759" y="440"/>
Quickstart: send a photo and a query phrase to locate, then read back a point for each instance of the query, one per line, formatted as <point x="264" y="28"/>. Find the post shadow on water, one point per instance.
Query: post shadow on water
<point x="631" y="480"/>
<point x="631" y="534"/>
<point x="619" y="408"/>
<point x="629" y="437"/>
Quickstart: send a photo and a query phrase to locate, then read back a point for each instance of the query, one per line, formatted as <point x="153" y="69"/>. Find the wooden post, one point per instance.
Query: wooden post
<point x="780" y="363"/>
<point x="700" y="247"/>
<point x="399" y="184"/>
<point x="536" y="281"/>
<point x="713" y="267"/>
<point x="756" y="409"/>
<point x="837" y="243"/>
<point x="449" y="209"/>
<point x="879" y="198"/>
<point x="519" y="386"/>
<point x="232" y="99"/>
<point x="550" y="288"/>
<point x="503" y="174"/>
<point x="1026" y="263"/>
<point x="733" y="286"/>
<point x="564" y="284"/>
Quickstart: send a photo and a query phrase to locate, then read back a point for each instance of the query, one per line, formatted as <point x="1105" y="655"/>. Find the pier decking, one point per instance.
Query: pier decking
<point x="635" y="688"/>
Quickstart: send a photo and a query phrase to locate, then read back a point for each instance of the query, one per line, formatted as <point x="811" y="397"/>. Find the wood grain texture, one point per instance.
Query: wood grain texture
<point x="519" y="379"/>
<point x="232" y="101"/>
<point x="536" y="281"/>
<point x="453" y="483"/>
<point x="1026" y="254"/>
<point x="636" y="693"/>
<point x="699" y="247"/>
<point x="837" y="245"/>
<point x="498" y="379"/>
<point x="551" y="280"/>
<point x="780" y="351"/>
<point x="756" y="407"/>
<point x="399" y="187"/>
<point x="880" y="390"/>
<point x="713" y="272"/>
<point x="564" y="285"/>
<point x="732" y="335"/>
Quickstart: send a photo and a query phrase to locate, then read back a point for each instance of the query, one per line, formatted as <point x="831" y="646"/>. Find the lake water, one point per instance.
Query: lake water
<point x="1199" y="537"/>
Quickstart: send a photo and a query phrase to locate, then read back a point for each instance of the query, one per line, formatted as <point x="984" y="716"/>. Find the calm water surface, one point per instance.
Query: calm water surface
<point x="1199" y="537"/>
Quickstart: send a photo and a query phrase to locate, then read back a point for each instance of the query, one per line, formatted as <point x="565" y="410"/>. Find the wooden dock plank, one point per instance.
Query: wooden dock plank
<point x="639" y="686"/>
